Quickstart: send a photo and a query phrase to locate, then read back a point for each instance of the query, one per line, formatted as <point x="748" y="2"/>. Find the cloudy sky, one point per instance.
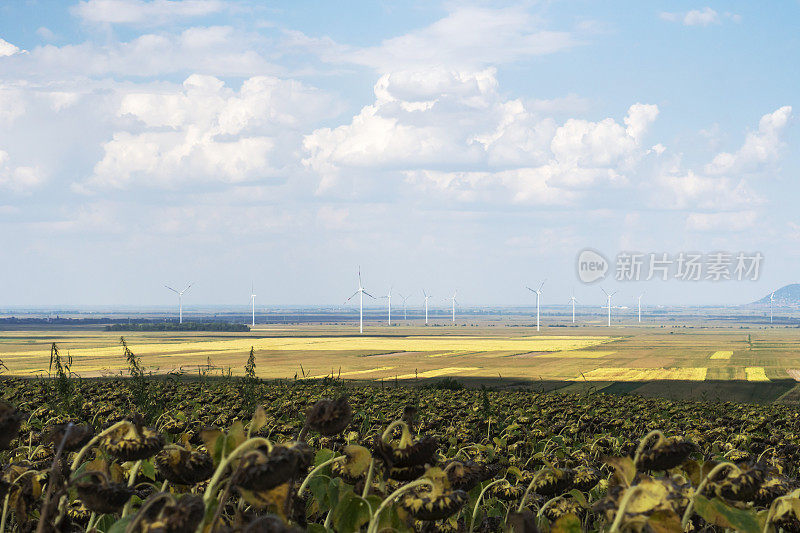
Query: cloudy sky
<point x="446" y="146"/>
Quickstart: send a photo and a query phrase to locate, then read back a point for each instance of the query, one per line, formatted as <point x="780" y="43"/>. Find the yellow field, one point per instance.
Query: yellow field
<point x="723" y="354"/>
<point x="644" y="374"/>
<point x="487" y="351"/>
<point x="756" y="373"/>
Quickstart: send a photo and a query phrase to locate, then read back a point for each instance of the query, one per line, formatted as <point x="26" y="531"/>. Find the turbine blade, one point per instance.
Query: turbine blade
<point x="170" y="288"/>
<point x="368" y="294"/>
<point x="351" y="297"/>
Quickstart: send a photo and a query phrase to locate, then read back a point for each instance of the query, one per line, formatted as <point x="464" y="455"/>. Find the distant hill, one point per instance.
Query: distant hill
<point x="787" y="296"/>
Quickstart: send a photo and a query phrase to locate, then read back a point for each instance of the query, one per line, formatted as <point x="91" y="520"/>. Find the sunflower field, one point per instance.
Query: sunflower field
<point x="169" y="454"/>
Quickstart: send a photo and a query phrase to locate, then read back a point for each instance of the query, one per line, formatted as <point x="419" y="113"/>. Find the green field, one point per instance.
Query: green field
<point x="596" y="357"/>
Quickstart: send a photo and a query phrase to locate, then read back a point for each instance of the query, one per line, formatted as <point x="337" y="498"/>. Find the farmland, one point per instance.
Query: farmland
<point x="602" y="357"/>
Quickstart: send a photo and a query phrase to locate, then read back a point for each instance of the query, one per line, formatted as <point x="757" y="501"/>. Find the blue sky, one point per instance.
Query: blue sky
<point x="449" y="146"/>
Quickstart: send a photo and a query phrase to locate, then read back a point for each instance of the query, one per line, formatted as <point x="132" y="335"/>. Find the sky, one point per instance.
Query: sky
<point x="454" y="146"/>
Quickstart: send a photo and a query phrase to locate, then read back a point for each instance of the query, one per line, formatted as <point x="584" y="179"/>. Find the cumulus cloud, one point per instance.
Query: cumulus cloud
<point x="203" y="131"/>
<point x="141" y="12"/>
<point x="451" y="130"/>
<point x="760" y="146"/>
<point x="689" y="190"/>
<point x="7" y="49"/>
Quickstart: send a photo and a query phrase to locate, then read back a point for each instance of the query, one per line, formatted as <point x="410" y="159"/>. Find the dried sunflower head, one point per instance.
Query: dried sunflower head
<point x="507" y="491"/>
<point x="182" y="466"/>
<point x="78" y="513"/>
<point x="78" y="436"/>
<point x="739" y="486"/>
<point x="771" y="488"/>
<point x="10" y="420"/>
<point x="552" y="481"/>
<point x="465" y="475"/>
<point x="665" y="454"/>
<point x="330" y="417"/>
<point x="102" y="496"/>
<point x="356" y="464"/>
<point x="406" y="451"/>
<point x="182" y="516"/>
<point x="434" y="502"/>
<point x="584" y="478"/>
<point x="261" y="470"/>
<point x="132" y="442"/>
<point x="562" y="507"/>
<point x="409" y="473"/>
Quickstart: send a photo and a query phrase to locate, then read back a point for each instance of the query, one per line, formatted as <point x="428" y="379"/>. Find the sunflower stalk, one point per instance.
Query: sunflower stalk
<point x="688" y="513"/>
<point x="479" y="500"/>
<point x="373" y="522"/>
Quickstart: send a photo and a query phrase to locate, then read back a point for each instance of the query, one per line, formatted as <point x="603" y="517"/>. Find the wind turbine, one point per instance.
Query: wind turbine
<point x="771" y="299"/>
<point x="253" y="300"/>
<point x="609" y="303"/>
<point x="180" y="300"/>
<point x="361" y="292"/>
<point x="454" y="301"/>
<point x="639" y="307"/>
<point x="405" y="315"/>
<point x="572" y="300"/>
<point x="427" y="297"/>
<point x="538" y="296"/>
<point x="389" y="297"/>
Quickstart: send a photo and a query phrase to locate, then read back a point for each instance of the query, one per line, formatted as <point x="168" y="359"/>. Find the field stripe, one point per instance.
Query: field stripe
<point x="353" y="372"/>
<point x="577" y="354"/>
<point x="722" y="354"/>
<point x="644" y="374"/>
<point x="438" y="372"/>
<point x="755" y="373"/>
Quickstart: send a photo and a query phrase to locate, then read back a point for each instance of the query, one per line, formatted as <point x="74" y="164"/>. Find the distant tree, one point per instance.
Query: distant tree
<point x="250" y="367"/>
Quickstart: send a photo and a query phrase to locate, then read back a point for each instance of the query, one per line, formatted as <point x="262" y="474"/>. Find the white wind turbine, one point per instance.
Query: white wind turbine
<point x="538" y="297"/>
<point x="572" y="300"/>
<point x="639" y="307"/>
<point x="389" y="298"/>
<point x="361" y="292"/>
<point x="609" y="303"/>
<point x="454" y="302"/>
<point x="253" y="301"/>
<point x="405" y="315"/>
<point x="180" y="300"/>
<point x="427" y="297"/>
<point x="771" y="299"/>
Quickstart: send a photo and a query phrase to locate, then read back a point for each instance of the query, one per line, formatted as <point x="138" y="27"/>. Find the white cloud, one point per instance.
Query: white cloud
<point x="18" y="179"/>
<point x="45" y="33"/>
<point x="7" y="49"/>
<point x="204" y="131"/>
<point x="450" y="130"/>
<point x="760" y="146"/>
<point x="141" y="12"/>
<point x="468" y="37"/>
<point x="721" y="222"/>
<point x="214" y="50"/>
<point x="689" y="190"/>
<point x="699" y="17"/>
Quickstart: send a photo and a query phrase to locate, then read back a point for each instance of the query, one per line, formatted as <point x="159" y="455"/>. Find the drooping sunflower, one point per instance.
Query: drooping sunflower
<point x="329" y="417"/>
<point x="262" y="470"/>
<point x="406" y="451"/>
<point x="132" y="442"/>
<point x="434" y="502"/>
<point x="102" y="496"/>
<point x="10" y="420"/>
<point x="665" y="454"/>
<point x="182" y="466"/>
<point x="78" y="436"/>
<point x="181" y="516"/>
<point x="355" y="466"/>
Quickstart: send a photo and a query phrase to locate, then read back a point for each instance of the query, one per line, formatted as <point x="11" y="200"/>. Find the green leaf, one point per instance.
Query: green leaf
<point x="316" y="528"/>
<point x="351" y="513"/>
<point x="718" y="513"/>
<point x="323" y="455"/>
<point x="148" y="470"/>
<point x="120" y="525"/>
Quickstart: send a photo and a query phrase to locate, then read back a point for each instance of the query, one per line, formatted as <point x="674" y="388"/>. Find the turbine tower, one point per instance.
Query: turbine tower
<point x="427" y="297"/>
<point x="454" y="301"/>
<point x="538" y="297"/>
<point x="639" y="307"/>
<point x="405" y="315"/>
<point x="389" y="298"/>
<point x="180" y="301"/>
<point x="771" y="299"/>
<point x="361" y="292"/>
<point x="253" y="300"/>
<point x="572" y="300"/>
<point x="609" y="303"/>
